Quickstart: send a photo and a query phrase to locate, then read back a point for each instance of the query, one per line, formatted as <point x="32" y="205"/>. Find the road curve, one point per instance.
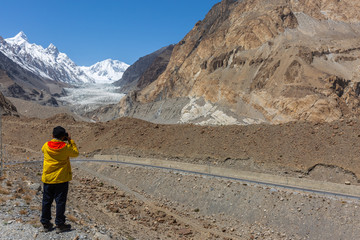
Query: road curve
<point x="290" y="183"/>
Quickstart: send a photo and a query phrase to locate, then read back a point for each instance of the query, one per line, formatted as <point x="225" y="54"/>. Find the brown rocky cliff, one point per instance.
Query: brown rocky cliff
<point x="279" y="57"/>
<point x="156" y="68"/>
<point x="230" y="27"/>
<point x="145" y="70"/>
<point x="6" y="107"/>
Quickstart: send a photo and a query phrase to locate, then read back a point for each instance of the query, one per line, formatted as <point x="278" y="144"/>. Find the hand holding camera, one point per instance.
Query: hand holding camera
<point x="67" y="137"/>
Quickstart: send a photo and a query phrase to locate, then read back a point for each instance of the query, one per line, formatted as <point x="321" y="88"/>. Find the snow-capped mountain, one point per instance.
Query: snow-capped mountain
<point x="51" y="63"/>
<point x="106" y="71"/>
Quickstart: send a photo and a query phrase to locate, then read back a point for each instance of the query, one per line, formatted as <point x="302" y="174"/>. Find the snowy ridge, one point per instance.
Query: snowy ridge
<point x="106" y="71"/>
<point x="51" y="63"/>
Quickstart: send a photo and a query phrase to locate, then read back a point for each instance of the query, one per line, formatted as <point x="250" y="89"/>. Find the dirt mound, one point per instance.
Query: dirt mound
<point x="61" y="117"/>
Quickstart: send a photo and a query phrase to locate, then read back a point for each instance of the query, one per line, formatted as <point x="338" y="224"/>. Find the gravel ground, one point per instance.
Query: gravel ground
<point x="111" y="201"/>
<point x="20" y="201"/>
<point x="246" y="211"/>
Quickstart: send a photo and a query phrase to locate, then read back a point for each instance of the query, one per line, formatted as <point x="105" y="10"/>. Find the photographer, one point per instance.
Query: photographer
<point x="56" y="176"/>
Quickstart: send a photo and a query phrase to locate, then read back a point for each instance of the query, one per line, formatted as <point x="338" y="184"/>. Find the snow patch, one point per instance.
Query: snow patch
<point x="205" y="114"/>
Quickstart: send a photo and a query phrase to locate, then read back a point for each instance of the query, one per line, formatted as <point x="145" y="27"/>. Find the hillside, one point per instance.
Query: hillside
<point x="145" y="70"/>
<point x="256" y="61"/>
<point x="23" y="84"/>
<point x="6" y="107"/>
<point x="295" y="148"/>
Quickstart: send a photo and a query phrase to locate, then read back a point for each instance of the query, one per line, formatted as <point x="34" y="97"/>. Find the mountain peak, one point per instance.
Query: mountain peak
<point x="53" y="64"/>
<point x="52" y="49"/>
<point x="51" y="46"/>
<point x="21" y="35"/>
<point x="19" y="38"/>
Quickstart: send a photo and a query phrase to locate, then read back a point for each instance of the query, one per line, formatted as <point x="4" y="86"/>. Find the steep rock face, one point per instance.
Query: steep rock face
<point x="20" y="83"/>
<point x="145" y="70"/>
<point x="6" y="107"/>
<point x="288" y="59"/>
<point x="156" y="68"/>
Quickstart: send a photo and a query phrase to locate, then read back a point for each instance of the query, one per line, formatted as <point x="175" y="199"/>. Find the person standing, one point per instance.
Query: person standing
<point x="56" y="176"/>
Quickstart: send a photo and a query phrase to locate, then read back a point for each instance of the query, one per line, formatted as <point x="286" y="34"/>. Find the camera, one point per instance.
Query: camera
<point x="66" y="136"/>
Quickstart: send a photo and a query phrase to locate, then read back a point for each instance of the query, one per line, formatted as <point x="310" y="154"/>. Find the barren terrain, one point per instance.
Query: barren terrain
<point x="125" y="202"/>
<point x="296" y="148"/>
<point x="292" y="67"/>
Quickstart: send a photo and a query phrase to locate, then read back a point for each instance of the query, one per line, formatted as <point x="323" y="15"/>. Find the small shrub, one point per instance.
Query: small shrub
<point x="35" y="223"/>
<point x="38" y="207"/>
<point x="17" y="195"/>
<point x="20" y="190"/>
<point x="23" y="212"/>
<point x="72" y="218"/>
<point x="4" y="191"/>
<point x="27" y="199"/>
<point x="2" y="200"/>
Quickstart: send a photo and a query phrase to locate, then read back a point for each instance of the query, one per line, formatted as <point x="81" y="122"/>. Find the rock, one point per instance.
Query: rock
<point x="6" y="107"/>
<point x="100" y="236"/>
<point x="35" y="186"/>
<point x="347" y="183"/>
<point x="185" y="232"/>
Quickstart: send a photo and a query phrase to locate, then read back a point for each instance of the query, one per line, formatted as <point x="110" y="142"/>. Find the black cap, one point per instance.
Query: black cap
<point x="59" y="132"/>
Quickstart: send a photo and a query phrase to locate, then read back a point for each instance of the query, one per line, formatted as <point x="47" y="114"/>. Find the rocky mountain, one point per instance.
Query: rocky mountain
<point x="52" y="64"/>
<point x="156" y="68"/>
<point x="145" y="70"/>
<point x="6" y="107"/>
<point x="260" y="61"/>
<point x="18" y="82"/>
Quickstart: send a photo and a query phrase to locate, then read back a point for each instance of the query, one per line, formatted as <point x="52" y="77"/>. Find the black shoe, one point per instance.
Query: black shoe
<point x="47" y="227"/>
<point x="63" y="228"/>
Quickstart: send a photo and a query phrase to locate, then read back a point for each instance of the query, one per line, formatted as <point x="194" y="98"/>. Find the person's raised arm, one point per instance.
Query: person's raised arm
<point x="73" y="150"/>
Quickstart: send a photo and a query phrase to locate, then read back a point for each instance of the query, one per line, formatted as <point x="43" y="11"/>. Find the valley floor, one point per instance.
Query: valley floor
<point x="127" y="202"/>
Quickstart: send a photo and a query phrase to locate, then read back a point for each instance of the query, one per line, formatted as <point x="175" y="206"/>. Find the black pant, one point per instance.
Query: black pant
<point x="59" y="193"/>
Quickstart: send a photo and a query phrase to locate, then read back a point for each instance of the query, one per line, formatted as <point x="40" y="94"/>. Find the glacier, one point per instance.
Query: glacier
<point x="88" y="97"/>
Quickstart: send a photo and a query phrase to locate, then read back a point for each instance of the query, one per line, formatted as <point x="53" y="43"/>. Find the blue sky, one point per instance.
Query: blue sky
<point x="89" y="31"/>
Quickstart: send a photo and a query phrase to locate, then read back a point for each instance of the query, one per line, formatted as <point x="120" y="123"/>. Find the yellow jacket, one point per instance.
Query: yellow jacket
<point x="57" y="168"/>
